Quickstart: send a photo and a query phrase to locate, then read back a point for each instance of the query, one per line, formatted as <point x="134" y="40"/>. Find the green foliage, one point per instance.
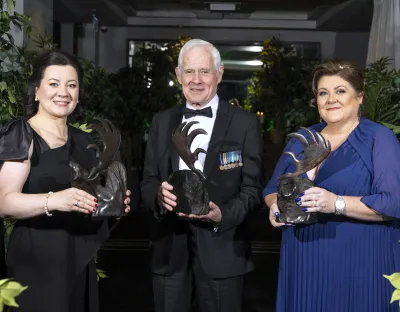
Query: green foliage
<point x="101" y="274"/>
<point x="15" y="61"/>
<point x="395" y="281"/>
<point x="282" y="88"/>
<point x="382" y="94"/>
<point x="131" y="96"/>
<point x="9" y="290"/>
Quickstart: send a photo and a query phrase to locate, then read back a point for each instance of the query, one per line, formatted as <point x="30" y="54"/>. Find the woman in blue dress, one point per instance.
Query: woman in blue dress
<point x="337" y="264"/>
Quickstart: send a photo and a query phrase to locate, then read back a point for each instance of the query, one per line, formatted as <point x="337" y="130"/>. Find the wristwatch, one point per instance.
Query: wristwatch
<point x="340" y="204"/>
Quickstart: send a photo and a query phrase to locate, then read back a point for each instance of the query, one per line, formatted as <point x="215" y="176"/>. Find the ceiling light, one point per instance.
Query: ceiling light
<point x="222" y="6"/>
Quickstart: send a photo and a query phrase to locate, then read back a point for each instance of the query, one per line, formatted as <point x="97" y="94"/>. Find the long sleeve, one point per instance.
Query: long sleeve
<point x="385" y="189"/>
<point x="249" y="198"/>
<point x="151" y="175"/>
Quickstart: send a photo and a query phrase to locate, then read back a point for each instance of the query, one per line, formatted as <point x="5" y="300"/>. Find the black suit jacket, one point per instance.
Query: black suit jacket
<point x="236" y="191"/>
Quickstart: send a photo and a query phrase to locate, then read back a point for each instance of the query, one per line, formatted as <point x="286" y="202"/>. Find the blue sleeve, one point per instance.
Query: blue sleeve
<point x="385" y="188"/>
<point x="280" y="169"/>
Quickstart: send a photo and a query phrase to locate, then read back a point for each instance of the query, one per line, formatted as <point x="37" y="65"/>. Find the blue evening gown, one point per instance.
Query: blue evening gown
<point x="337" y="265"/>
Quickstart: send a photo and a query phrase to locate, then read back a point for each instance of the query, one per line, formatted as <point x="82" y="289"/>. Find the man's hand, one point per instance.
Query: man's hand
<point x="214" y="216"/>
<point x="166" y="199"/>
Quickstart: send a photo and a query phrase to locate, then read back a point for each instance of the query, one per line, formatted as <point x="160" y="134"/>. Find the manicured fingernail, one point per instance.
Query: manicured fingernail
<point x="96" y="205"/>
<point x="299" y="203"/>
<point x="94" y="210"/>
<point x="276" y="214"/>
<point x="298" y="199"/>
<point x="304" y="209"/>
<point x="302" y="194"/>
<point x="95" y="200"/>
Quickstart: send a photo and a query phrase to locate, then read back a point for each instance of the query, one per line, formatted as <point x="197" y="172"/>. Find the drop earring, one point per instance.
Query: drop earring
<point x="36" y="99"/>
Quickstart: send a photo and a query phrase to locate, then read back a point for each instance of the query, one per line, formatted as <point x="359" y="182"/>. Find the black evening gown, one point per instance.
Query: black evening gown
<point x="53" y="256"/>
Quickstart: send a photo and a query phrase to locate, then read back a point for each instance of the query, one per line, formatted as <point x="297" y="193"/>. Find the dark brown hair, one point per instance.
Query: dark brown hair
<point x="44" y="60"/>
<point x="344" y="69"/>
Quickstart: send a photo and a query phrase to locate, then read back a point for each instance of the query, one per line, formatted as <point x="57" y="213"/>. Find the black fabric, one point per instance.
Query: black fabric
<point x="190" y="287"/>
<point x="206" y="112"/>
<point x="50" y="255"/>
<point x="15" y="140"/>
<point x="236" y="191"/>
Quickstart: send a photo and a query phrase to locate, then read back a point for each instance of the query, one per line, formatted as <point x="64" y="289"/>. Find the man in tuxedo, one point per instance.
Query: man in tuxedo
<point x="206" y="255"/>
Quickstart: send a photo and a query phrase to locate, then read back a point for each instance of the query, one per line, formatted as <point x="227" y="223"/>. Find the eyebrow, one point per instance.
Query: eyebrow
<point x="337" y="87"/>
<point x="59" y="80"/>
<point x="204" y="68"/>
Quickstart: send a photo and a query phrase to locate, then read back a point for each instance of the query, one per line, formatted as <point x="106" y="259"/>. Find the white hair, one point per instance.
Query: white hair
<point x="196" y="43"/>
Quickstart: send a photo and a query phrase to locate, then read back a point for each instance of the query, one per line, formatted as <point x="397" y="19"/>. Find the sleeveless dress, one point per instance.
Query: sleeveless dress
<point x="337" y="264"/>
<point x="53" y="256"/>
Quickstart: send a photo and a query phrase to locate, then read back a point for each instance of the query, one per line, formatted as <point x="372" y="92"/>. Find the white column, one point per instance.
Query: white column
<point x="17" y="34"/>
<point x="67" y="38"/>
<point x="384" y="39"/>
<point x="41" y="12"/>
<point x="87" y="43"/>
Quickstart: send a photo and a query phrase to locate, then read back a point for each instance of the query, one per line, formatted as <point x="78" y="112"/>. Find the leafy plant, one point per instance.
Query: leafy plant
<point x="9" y="290"/>
<point x="101" y="274"/>
<point x="395" y="281"/>
<point x="382" y="94"/>
<point x="281" y="89"/>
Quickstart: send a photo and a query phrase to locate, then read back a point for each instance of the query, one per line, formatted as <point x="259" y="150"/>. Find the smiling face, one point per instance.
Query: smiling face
<point x="198" y="76"/>
<point x="337" y="100"/>
<point x="58" y="93"/>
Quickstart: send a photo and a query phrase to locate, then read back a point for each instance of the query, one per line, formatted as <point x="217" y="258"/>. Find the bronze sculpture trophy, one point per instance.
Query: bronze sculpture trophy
<point x="107" y="181"/>
<point x="189" y="185"/>
<point x="291" y="185"/>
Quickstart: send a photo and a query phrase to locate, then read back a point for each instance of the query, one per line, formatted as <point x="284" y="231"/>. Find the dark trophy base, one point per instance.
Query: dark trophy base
<point x="288" y="190"/>
<point x="191" y="193"/>
<point x="109" y="189"/>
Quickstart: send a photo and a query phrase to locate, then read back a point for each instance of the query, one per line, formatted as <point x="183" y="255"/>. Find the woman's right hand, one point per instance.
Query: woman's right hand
<point x="274" y="215"/>
<point x="72" y="199"/>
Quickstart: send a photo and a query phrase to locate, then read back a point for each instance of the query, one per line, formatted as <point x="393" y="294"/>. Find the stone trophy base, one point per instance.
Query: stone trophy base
<point x="288" y="190"/>
<point x="191" y="193"/>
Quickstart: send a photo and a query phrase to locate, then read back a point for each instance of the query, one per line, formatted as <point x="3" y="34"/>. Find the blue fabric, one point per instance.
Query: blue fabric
<point x="337" y="264"/>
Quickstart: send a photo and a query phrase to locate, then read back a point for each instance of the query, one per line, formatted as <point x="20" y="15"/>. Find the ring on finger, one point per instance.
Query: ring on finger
<point x="76" y="203"/>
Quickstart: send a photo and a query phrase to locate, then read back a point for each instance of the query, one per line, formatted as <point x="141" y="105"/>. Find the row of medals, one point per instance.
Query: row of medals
<point x="231" y="165"/>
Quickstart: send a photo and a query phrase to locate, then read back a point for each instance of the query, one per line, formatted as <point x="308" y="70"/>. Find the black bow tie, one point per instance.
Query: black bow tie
<point x="206" y="112"/>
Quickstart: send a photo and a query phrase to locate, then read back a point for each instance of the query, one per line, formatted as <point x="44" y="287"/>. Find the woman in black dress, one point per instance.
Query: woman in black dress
<point x="53" y="243"/>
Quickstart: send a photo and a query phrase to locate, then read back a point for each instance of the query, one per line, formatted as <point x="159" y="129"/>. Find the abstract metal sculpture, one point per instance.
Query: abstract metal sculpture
<point x="107" y="181"/>
<point x="291" y="185"/>
<point x="189" y="185"/>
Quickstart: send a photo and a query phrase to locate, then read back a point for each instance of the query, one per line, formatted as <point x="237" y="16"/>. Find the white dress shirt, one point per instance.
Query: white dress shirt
<point x="201" y="140"/>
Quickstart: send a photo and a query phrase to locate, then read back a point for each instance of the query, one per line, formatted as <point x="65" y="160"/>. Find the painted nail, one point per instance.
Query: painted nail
<point x="95" y="200"/>
<point x="94" y="210"/>
<point x="304" y="209"/>
<point x="299" y="203"/>
<point x="276" y="214"/>
<point x="298" y="199"/>
<point x="302" y="194"/>
<point x="96" y="205"/>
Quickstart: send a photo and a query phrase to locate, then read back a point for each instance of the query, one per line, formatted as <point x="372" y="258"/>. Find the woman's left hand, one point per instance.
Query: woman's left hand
<point x="127" y="201"/>
<point x="317" y="199"/>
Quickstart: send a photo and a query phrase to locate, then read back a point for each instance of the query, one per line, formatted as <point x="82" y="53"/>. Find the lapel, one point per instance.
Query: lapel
<point x="175" y="121"/>
<point x="222" y="121"/>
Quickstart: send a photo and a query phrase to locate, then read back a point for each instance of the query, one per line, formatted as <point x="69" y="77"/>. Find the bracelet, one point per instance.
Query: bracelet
<point x="46" y="206"/>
